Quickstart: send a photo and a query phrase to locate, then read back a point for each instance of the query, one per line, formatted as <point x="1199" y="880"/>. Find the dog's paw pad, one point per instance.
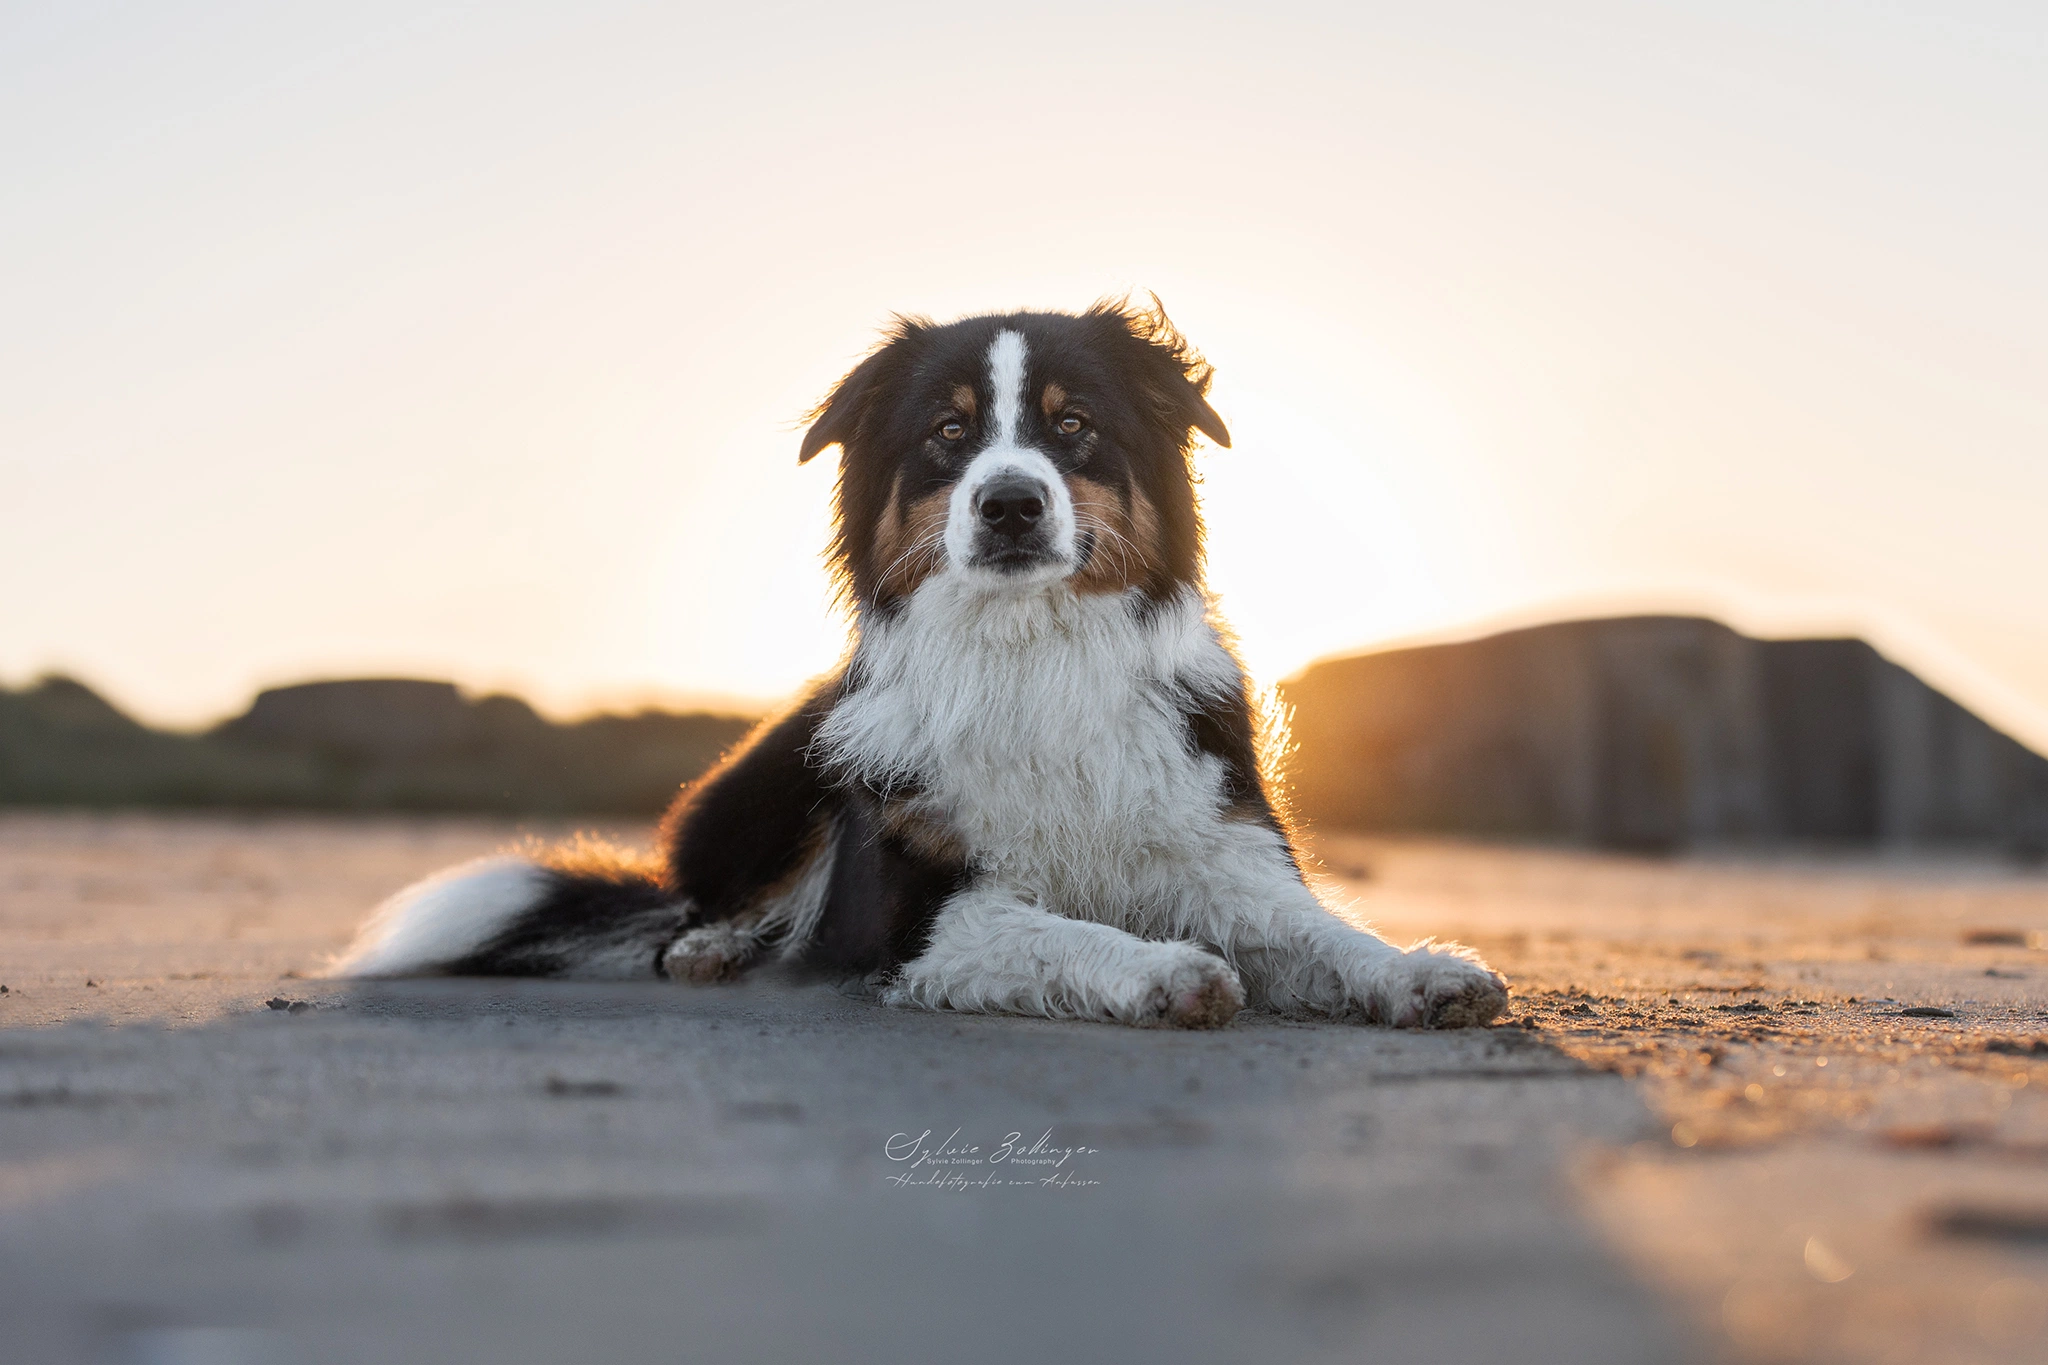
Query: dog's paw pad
<point x="707" y="956"/>
<point x="1439" y="988"/>
<point x="1212" y="1004"/>
<point x="1202" y="993"/>
<point x="1473" y="1004"/>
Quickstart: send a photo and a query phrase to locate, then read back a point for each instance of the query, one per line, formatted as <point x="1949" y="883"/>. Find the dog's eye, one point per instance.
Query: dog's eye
<point x="952" y="431"/>
<point x="1071" y="424"/>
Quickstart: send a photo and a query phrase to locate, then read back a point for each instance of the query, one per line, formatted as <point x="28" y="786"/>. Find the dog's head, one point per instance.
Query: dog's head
<point x="1020" y="451"/>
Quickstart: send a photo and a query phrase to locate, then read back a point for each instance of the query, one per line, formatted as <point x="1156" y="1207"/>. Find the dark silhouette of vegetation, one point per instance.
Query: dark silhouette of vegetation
<point x="367" y="744"/>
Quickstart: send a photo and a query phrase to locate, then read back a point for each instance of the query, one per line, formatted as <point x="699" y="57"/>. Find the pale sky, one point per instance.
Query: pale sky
<point x="470" y="342"/>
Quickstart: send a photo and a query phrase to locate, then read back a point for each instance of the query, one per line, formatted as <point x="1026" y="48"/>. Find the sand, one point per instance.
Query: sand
<point x="1649" y="1162"/>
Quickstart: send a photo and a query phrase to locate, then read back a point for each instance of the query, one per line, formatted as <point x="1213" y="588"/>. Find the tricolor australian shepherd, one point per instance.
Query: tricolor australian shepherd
<point x="1034" y="787"/>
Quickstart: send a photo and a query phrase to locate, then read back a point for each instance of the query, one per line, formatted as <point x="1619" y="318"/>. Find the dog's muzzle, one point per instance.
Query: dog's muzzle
<point x="1010" y="532"/>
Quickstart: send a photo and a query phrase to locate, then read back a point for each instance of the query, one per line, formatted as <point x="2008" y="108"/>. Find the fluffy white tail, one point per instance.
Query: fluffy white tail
<point x="443" y="919"/>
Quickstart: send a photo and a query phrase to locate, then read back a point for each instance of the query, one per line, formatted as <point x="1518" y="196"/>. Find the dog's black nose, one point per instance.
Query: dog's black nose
<point x="1012" y="506"/>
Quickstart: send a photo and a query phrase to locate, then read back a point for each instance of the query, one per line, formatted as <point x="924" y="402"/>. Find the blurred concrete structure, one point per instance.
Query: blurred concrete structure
<point x="1656" y="732"/>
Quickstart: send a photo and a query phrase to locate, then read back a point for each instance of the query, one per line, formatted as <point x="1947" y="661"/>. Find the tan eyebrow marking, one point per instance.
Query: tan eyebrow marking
<point x="963" y="399"/>
<point x="1054" y="398"/>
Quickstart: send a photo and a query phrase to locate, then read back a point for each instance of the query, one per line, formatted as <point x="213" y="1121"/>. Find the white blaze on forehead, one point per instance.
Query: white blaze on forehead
<point x="1004" y="456"/>
<point x="1006" y="383"/>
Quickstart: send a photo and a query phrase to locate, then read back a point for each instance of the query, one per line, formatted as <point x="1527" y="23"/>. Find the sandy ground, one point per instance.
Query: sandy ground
<point x="1846" y="1057"/>
<point x="1709" y="1130"/>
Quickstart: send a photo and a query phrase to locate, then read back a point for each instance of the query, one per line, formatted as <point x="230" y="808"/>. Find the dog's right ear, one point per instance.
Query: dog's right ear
<point x="835" y="421"/>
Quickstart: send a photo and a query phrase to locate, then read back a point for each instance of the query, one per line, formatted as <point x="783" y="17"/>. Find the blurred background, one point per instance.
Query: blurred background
<point x="468" y="344"/>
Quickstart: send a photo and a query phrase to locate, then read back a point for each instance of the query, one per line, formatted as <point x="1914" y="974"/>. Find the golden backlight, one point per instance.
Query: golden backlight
<point x="474" y="346"/>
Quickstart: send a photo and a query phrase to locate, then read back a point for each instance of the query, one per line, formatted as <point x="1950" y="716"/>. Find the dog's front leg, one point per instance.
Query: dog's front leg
<point x="992" y="951"/>
<point x="1297" y="957"/>
<point x="1301" y="958"/>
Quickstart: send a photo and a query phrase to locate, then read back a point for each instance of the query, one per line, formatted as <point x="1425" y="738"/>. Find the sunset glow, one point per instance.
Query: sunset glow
<point x="475" y="346"/>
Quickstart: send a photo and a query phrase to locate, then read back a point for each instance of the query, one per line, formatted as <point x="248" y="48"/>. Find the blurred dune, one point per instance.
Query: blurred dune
<point x="1653" y="733"/>
<point x="363" y="744"/>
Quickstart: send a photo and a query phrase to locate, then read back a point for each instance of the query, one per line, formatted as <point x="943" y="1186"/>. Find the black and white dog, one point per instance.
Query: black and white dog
<point x="1034" y="786"/>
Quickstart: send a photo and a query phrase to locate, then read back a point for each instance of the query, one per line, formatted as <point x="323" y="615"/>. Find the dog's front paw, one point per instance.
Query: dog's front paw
<point x="1440" y="987"/>
<point x="709" y="953"/>
<point x="1198" y="990"/>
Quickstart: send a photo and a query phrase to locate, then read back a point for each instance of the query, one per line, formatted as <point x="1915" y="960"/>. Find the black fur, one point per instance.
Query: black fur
<point x="1224" y="728"/>
<point x="583" y="915"/>
<point x="754" y="824"/>
<point x="883" y="897"/>
<point x="749" y="824"/>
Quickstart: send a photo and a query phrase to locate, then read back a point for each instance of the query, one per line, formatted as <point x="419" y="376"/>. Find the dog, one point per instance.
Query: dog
<point x="1035" y="784"/>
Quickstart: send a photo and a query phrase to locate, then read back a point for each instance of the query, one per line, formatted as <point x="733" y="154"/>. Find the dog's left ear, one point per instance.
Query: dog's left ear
<point x="1175" y="374"/>
<point x="1180" y="386"/>
<point x="1203" y="418"/>
<point x="835" y="421"/>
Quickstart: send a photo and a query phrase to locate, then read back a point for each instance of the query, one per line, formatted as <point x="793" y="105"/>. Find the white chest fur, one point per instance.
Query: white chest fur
<point x="1047" y="730"/>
